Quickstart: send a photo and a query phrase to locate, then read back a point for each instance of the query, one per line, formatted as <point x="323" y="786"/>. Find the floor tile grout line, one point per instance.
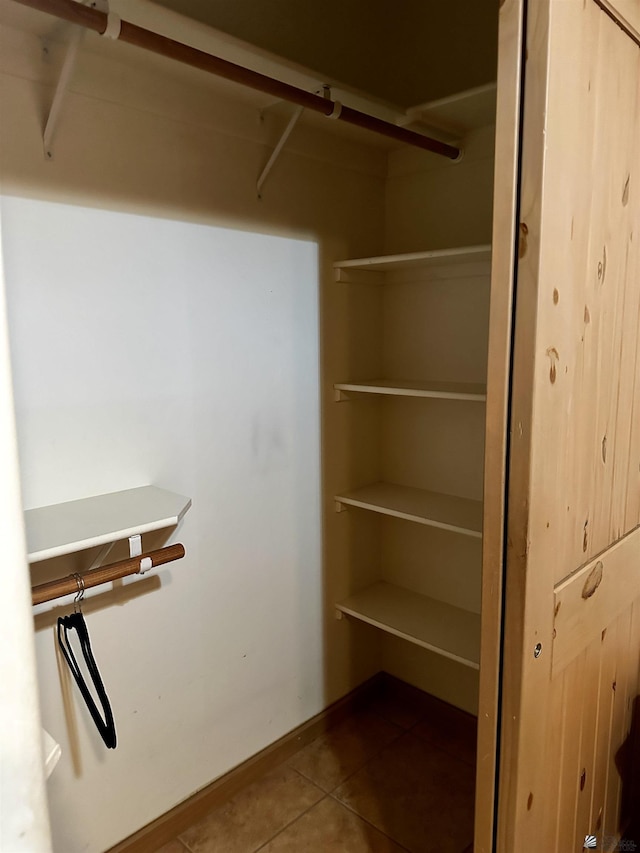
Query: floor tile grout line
<point x="366" y="762"/>
<point x="369" y="758"/>
<point x="306" y="779"/>
<point x="291" y="822"/>
<point x="368" y="822"/>
<point x="309" y="779"/>
<point x="184" y="844"/>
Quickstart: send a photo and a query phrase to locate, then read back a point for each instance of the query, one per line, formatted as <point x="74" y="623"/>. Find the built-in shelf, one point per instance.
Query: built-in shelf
<point x="455" y="116"/>
<point x="423" y="261"/>
<point x="460" y="515"/>
<point x="439" y="390"/>
<point x="65" y="528"/>
<point x="432" y="624"/>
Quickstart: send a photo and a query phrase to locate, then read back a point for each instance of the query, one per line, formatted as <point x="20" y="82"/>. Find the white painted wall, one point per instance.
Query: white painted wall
<point x="152" y="351"/>
<point x="24" y="824"/>
<point x="165" y="331"/>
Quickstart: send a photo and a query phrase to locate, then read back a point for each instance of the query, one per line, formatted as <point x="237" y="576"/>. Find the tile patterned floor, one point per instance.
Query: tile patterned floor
<point x="398" y="776"/>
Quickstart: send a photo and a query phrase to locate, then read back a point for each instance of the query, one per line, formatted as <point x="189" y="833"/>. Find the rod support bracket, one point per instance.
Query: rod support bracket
<point x="114" y="24"/>
<point x="146" y="563"/>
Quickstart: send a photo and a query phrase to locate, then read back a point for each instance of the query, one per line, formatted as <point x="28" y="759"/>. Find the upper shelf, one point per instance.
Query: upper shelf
<point x="65" y="528"/>
<point x="455" y="116"/>
<point x="426" y="262"/>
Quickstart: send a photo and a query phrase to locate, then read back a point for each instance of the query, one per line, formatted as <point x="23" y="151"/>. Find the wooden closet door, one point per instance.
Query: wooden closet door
<point x="572" y="620"/>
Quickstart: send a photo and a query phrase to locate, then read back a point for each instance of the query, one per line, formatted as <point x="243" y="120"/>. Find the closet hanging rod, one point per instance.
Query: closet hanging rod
<point x="113" y="27"/>
<point x="104" y="574"/>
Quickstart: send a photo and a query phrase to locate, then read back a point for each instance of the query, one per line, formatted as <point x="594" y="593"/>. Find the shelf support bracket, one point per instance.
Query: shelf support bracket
<point x="135" y="545"/>
<point x="135" y="550"/>
<point x="63" y="83"/>
<point x="341" y="396"/>
<point x="68" y="66"/>
<point x="276" y="151"/>
<point x="340" y="507"/>
<point x="101" y="556"/>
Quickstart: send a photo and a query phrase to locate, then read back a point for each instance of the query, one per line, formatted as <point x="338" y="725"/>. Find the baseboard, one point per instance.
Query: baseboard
<point x="190" y="811"/>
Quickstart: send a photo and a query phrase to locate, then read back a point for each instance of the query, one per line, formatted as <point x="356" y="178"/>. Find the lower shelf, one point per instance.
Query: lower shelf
<point x="399" y="388"/>
<point x="434" y="625"/>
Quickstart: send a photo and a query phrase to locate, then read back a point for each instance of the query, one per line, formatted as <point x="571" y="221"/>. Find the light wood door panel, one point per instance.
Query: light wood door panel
<point x="588" y="601"/>
<point x="571" y="648"/>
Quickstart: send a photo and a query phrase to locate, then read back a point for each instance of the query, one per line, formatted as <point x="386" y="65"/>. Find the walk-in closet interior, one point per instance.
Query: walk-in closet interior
<point x="259" y="333"/>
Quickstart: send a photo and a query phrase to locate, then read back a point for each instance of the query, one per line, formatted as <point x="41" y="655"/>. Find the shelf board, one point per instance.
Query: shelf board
<point x="435" y="259"/>
<point x="399" y="388"/>
<point x="460" y="515"/>
<point x="435" y="625"/>
<point x="53" y="531"/>
<point x="456" y="115"/>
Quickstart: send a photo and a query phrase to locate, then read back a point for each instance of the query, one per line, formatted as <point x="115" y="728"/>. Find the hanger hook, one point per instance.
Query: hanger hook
<point x="77" y="601"/>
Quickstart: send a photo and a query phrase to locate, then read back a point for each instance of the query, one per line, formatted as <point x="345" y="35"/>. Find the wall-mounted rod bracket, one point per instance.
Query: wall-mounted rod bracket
<point x="276" y="151"/>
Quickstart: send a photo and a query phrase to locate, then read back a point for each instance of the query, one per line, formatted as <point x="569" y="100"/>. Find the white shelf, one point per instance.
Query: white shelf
<point x="423" y="261"/>
<point x="442" y="628"/>
<point x="458" y="114"/>
<point x="460" y="515"/>
<point x="53" y="531"/>
<point x="439" y="390"/>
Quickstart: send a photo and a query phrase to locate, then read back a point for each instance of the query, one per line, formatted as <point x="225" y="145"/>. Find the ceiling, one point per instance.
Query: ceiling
<point x="404" y="53"/>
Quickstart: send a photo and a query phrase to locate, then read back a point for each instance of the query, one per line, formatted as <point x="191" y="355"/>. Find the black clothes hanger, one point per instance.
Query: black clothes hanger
<point x="75" y="621"/>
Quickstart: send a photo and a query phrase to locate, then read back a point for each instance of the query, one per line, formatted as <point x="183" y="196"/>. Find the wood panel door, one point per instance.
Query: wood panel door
<point x="572" y="608"/>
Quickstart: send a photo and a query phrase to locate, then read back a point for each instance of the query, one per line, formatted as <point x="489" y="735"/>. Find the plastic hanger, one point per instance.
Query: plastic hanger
<point x="75" y="621"/>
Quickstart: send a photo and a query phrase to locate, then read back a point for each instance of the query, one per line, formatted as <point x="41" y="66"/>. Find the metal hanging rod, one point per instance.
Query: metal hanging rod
<point x="131" y="566"/>
<point x="111" y="26"/>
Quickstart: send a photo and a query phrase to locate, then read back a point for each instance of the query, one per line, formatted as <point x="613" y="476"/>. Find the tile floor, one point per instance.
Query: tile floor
<point x="395" y="776"/>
